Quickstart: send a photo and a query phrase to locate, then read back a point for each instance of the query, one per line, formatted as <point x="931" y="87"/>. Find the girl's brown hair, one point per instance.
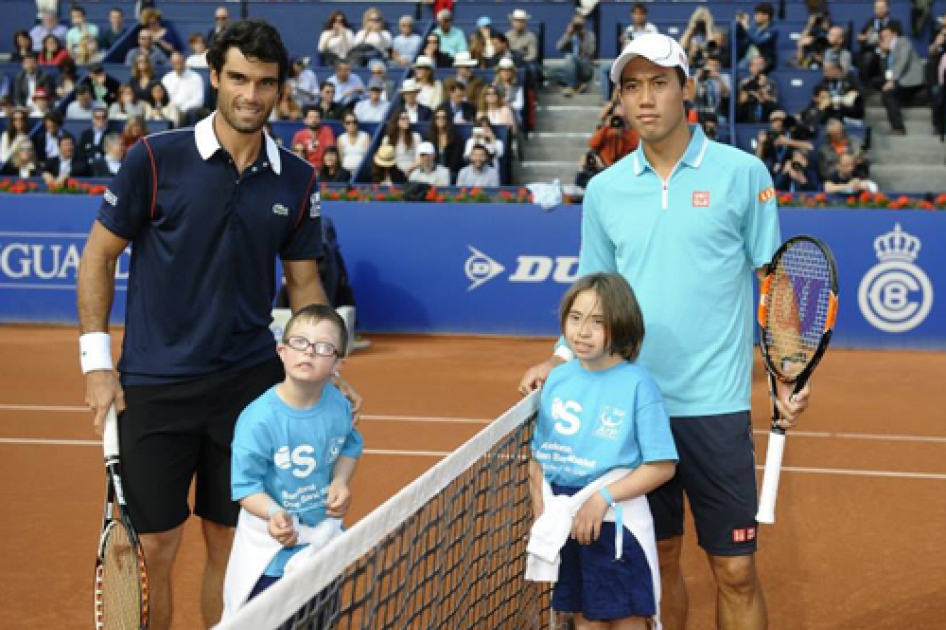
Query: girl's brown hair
<point x="623" y="320"/>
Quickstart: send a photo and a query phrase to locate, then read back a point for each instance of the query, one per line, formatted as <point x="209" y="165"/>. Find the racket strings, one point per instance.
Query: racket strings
<point x="798" y="304"/>
<point x="122" y="581"/>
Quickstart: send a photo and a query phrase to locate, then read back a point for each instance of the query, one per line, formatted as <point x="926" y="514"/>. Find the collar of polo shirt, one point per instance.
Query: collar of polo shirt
<point x="207" y="143"/>
<point x="692" y="157"/>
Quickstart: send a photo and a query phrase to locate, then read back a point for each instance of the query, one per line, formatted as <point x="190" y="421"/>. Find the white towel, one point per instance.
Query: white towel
<point x="253" y="550"/>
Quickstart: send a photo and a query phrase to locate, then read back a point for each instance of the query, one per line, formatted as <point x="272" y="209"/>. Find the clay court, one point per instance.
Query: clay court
<point x="858" y="543"/>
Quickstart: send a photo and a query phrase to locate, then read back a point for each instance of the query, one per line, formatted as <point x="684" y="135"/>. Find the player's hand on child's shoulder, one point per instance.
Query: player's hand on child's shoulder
<point x="339" y="499"/>
<point x="282" y="528"/>
<point x="586" y="527"/>
<point x="536" y="375"/>
<point x="352" y="395"/>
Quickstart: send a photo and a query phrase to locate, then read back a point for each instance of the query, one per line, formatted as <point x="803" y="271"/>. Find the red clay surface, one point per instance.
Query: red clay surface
<point x="858" y="544"/>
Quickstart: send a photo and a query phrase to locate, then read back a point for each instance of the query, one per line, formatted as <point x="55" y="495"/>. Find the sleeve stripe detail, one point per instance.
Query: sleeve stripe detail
<point x="154" y="179"/>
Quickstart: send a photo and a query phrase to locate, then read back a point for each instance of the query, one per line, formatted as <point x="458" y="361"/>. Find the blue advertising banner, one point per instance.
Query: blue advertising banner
<point x="500" y="269"/>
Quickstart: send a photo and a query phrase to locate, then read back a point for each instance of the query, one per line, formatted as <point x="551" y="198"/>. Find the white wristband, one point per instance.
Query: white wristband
<point x="564" y="353"/>
<point x="95" y="352"/>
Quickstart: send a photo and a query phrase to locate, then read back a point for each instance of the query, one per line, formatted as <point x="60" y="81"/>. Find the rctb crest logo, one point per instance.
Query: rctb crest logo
<point x="896" y="295"/>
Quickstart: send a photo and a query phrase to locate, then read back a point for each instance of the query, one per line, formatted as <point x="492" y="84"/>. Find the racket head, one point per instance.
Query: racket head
<point x="121" y="583"/>
<point x="798" y="306"/>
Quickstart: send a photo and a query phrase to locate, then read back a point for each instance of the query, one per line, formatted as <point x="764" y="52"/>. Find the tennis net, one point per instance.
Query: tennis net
<point x="447" y="551"/>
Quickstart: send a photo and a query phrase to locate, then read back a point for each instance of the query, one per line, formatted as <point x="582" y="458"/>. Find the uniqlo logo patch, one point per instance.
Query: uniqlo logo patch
<point x="701" y="199"/>
<point x="744" y="534"/>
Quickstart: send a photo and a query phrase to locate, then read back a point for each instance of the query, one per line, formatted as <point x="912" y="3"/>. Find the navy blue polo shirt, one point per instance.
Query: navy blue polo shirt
<point x="204" y="244"/>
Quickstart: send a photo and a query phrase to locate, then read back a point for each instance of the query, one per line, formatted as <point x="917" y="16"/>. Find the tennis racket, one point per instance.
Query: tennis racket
<point x="797" y="309"/>
<point x="121" y="581"/>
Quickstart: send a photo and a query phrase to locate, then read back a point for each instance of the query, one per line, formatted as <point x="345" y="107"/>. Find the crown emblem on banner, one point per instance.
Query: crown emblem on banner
<point x="897" y="245"/>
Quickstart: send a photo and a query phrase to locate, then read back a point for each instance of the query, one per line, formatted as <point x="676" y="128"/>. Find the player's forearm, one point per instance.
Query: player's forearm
<point x="260" y="505"/>
<point x="96" y="290"/>
<point x="645" y="478"/>
<point x="304" y="285"/>
<point x="344" y="470"/>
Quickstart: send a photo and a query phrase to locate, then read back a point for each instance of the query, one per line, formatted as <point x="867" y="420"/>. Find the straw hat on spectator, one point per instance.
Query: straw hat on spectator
<point x="505" y="63"/>
<point x="423" y="61"/>
<point x="778" y="114"/>
<point x="464" y="58"/>
<point x="409" y="85"/>
<point x="384" y="157"/>
<point x="520" y="14"/>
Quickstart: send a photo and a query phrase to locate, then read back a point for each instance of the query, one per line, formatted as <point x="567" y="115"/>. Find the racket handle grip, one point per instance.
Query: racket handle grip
<point x="110" y="434"/>
<point x="770" y="478"/>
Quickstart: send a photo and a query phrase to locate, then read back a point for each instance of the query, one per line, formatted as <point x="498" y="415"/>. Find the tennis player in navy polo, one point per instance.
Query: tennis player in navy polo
<point x="688" y="222"/>
<point x="206" y="211"/>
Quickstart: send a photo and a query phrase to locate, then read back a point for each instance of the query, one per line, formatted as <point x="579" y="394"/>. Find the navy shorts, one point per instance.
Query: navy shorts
<point x="717" y="472"/>
<point x="591" y="581"/>
<point x="171" y="433"/>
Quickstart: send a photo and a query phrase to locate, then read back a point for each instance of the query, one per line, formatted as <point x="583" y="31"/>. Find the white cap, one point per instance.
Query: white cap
<point x="426" y="148"/>
<point x="463" y="58"/>
<point x="410" y="85"/>
<point x="519" y="14"/>
<point x="506" y="62"/>
<point x="660" y="49"/>
<point x="423" y="61"/>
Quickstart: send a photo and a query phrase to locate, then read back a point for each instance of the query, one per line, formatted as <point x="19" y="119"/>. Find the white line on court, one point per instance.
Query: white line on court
<point x="408" y="453"/>
<point x="932" y="439"/>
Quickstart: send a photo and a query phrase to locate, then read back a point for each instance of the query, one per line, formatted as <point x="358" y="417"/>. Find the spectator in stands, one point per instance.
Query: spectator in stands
<point x="52" y="53"/>
<point x="797" y="174"/>
<point x="712" y="91"/>
<point x="406" y="45"/>
<point x="108" y="164"/>
<point x="84" y="104"/>
<point x="24" y="163"/>
<point x="508" y="85"/>
<point x="845" y="181"/>
<point x="837" y="142"/>
<point x="384" y="169"/>
<point x="589" y="166"/>
<point x="6" y="107"/>
<point x="379" y="70"/>
<point x="81" y="27"/>
<point x="353" y="144"/>
<point x="775" y="144"/>
<point x="46" y="140"/>
<point x="116" y="29"/>
<point x="56" y="170"/>
<point x="464" y="65"/>
<point x="936" y="74"/>
<point x="43" y="101"/>
<point x="16" y="133"/>
<point x="142" y="78"/>
<point x="185" y="89"/>
<point x="48" y="25"/>
<point x="614" y="140"/>
<point x="484" y="135"/>
<point x="502" y="51"/>
<point x="336" y="40"/>
<point x="303" y="82"/>
<point x="373" y="41"/>
<point x="813" y="42"/>
<point x="452" y="39"/>
<point x="480" y="44"/>
<point x="426" y="170"/>
<point x="903" y="79"/>
<point x="479" y="173"/>
<point x="461" y="111"/>
<point x="197" y="57"/>
<point x="401" y="136"/>
<point x="160" y="106"/>
<point x="844" y="93"/>
<point x="164" y="38"/>
<point x="135" y="129"/>
<point x="759" y="39"/>
<point x="431" y="89"/>
<point x="445" y="138"/>
<point x="431" y="48"/>
<point x="22" y="44"/>
<point x="92" y="140"/>
<point x="127" y="104"/>
<point x="758" y="95"/>
<point x="493" y="105"/>
<point x="287" y="107"/>
<point x="699" y="36"/>
<point x="314" y="137"/>
<point x="837" y="52"/>
<point x="372" y="109"/>
<point x="328" y="108"/>
<point x="68" y="77"/>
<point x="520" y="38"/>
<point x="638" y="26"/>
<point x="417" y="112"/>
<point x="349" y="88"/>
<point x="87" y="52"/>
<point x="331" y="171"/>
<point x="221" y="21"/>
<point x="147" y="48"/>
<point x="870" y="57"/>
<point x="578" y="44"/>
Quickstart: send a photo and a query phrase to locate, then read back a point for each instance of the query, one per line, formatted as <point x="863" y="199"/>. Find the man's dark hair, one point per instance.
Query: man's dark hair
<point x="54" y="116"/>
<point x="499" y="37"/>
<point x="681" y="75"/>
<point x="256" y="39"/>
<point x="894" y="27"/>
<point x="639" y="6"/>
<point x="76" y="7"/>
<point x="765" y="7"/>
<point x="83" y="88"/>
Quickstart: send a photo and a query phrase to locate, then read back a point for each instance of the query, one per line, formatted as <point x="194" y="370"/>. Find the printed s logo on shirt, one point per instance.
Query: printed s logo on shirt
<point x="300" y="460"/>
<point x="565" y="415"/>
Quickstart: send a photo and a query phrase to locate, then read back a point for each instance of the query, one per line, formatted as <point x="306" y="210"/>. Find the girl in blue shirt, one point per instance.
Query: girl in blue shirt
<point x="599" y="413"/>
